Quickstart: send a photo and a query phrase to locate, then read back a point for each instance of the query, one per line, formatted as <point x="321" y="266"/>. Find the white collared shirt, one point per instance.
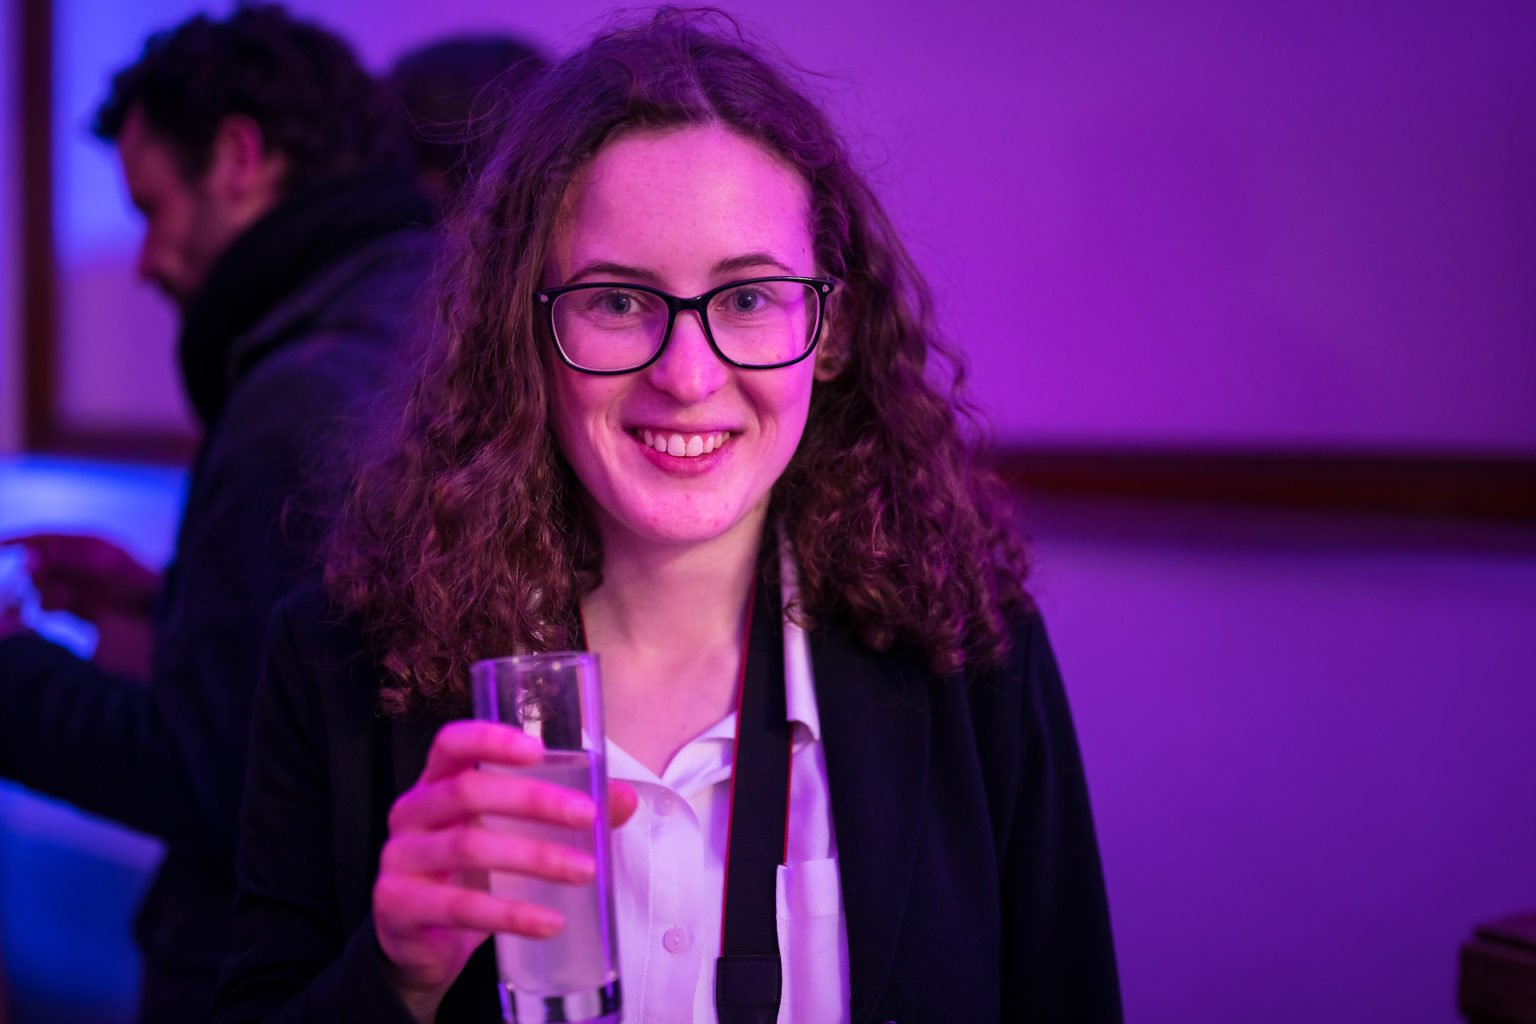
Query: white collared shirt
<point x="669" y="865"/>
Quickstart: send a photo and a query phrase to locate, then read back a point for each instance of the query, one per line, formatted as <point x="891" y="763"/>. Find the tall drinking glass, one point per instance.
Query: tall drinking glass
<point x="573" y="976"/>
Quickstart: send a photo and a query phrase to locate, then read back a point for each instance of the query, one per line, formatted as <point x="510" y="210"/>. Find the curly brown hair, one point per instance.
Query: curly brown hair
<point x="466" y="534"/>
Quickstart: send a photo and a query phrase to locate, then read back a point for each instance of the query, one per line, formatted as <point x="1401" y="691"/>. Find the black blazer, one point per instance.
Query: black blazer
<point x="970" y="874"/>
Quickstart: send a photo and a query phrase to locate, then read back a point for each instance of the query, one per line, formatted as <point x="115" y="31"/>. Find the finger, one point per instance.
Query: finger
<point x="622" y="801"/>
<point x="433" y="805"/>
<point x="476" y="847"/>
<point x="81" y="554"/>
<point x="405" y="904"/>
<point x="467" y="744"/>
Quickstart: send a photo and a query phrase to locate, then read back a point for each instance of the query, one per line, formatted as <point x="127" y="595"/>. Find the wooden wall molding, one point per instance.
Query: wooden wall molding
<point x="39" y="258"/>
<point x="1480" y="487"/>
<point x="45" y="427"/>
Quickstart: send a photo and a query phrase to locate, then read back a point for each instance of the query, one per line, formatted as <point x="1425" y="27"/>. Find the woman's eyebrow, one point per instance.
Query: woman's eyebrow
<point x="750" y="261"/>
<point x="731" y="264"/>
<point x="605" y="268"/>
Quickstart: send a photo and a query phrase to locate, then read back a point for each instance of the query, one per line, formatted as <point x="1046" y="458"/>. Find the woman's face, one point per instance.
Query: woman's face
<point x="688" y="449"/>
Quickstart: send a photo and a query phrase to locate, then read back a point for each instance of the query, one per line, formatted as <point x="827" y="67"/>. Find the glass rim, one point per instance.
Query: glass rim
<point x="543" y="659"/>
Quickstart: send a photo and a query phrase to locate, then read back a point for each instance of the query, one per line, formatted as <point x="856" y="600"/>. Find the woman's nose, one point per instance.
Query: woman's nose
<point x="689" y="369"/>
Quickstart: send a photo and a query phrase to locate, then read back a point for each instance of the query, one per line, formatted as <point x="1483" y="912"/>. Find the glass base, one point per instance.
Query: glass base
<point x="592" y="1006"/>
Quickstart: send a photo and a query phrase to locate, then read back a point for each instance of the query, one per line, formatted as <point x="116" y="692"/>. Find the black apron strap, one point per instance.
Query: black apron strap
<point x="749" y="975"/>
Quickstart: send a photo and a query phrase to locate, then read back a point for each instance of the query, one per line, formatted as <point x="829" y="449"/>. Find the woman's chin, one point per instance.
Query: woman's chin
<point x="686" y="527"/>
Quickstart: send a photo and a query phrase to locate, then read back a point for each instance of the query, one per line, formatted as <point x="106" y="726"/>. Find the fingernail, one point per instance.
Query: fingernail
<point x="547" y="922"/>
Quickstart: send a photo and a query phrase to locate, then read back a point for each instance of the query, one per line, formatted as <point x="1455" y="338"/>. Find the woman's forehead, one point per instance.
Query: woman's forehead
<point x="703" y="186"/>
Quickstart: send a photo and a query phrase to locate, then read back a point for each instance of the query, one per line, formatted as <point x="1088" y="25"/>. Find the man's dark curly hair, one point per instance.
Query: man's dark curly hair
<point x="300" y="83"/>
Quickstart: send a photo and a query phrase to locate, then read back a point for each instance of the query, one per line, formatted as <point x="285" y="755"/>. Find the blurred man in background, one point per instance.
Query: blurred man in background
<point x="280" y="219"/>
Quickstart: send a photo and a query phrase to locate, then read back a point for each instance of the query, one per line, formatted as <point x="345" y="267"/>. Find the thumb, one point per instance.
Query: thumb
<point x="622" y="802"/>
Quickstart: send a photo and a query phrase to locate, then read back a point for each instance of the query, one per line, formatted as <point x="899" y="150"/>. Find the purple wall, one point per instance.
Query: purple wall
<point x="1269" y="223"/>
<point x="1310" y="746"/>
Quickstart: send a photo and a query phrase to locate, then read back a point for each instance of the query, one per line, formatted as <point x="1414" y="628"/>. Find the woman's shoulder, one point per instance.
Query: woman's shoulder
<point x="308" y="615"/>
<point x="1027" y="656"/>
<point x="1023" y="691"/>
<point x="1020" y="693"/>
<point x="1026" y="659"/>
<point x="313" y="643"/>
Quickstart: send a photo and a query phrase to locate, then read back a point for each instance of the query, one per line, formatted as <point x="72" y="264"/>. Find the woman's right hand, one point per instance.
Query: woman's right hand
<point x="430" y="906"/>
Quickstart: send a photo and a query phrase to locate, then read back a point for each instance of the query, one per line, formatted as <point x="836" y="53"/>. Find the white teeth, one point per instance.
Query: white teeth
<point x="680" y="447"/>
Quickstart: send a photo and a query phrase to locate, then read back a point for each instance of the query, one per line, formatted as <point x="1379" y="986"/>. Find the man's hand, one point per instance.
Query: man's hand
<point x="88" y="576"/>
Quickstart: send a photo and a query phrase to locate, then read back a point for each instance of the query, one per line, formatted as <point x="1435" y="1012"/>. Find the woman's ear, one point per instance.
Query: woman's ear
<point x="830" y="351"/>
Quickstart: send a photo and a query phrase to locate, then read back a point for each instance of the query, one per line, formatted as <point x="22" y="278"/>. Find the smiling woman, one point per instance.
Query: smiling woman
<point x="684" y="406"/>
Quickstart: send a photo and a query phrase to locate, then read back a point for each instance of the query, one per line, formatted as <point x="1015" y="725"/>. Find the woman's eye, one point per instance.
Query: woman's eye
<point x="745" y="300"/>
<point x="613" y="303"/>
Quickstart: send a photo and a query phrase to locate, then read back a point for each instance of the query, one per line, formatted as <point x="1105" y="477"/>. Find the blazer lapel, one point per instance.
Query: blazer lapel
<point x="874" y="720"/>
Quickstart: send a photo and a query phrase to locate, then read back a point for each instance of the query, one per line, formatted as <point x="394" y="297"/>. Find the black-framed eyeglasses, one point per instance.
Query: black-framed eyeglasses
<point x="761" y="323"/>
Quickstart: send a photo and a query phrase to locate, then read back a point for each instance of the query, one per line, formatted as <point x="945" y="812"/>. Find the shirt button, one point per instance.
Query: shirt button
<point x="666" y="804"/>
<point x="675" y="940"/>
